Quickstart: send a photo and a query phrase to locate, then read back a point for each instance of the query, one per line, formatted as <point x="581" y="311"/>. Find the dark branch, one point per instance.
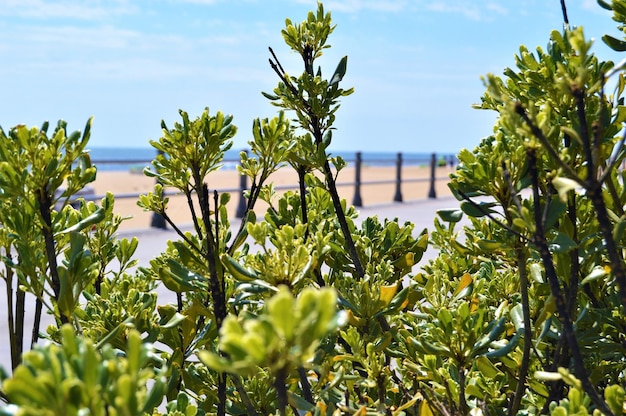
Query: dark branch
<point x="564" y="9"/>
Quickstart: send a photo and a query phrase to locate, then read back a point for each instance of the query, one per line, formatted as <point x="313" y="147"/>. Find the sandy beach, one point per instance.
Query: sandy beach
<point x="123" y="184"/>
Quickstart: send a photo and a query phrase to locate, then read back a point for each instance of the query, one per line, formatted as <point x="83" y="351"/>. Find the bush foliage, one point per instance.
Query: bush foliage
<point x="308" y="309"/>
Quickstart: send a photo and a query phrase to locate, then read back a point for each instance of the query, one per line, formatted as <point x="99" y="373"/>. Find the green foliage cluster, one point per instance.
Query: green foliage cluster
<point x="306" y="309"/>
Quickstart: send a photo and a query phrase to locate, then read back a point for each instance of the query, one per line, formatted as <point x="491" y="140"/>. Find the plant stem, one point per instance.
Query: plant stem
<point x="314" y="126"/>
<point x="244" y="395"/>
<point x="306" y="387"/>
<point x="462" y="401"/>
<point x="341" y="215"/>
<point x="521" y="258"/>
<point x="613" y="252"/>
<point x="594" y="191"/>
<point x="564" y="314"/>
<point x="280" y="381"/>
<point x="15" y="320"/>
<point x="45" y="204"/>
<point x="216" y="292"/>
<point x="528" y="334"/>
<point x="564" y="10"/>
<point x="36" y="324"/>
<point x="301" y="170"/>
<point x="573" y="254"/>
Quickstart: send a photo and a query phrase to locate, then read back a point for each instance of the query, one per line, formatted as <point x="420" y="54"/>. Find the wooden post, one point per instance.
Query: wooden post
<point x="398" y="196"/>
<point x="157" y="219"/>
<point x="356" y="201"/>
<point x="243" y="204"/>
<point x="433" y="164"/>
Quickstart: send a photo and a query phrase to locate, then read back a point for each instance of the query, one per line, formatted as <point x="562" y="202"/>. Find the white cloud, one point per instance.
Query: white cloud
<point x="206" y="2"/>
<point x="355" y="6"/>
<point x="497" y="8"/>
<point x="107" y="52"/>
<point x="474" y="10"/>
<point x="73" y="9"/>
<point x="468" y="9"/>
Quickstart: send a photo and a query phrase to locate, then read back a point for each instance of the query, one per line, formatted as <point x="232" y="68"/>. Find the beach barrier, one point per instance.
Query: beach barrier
<point x="359" y="162"/>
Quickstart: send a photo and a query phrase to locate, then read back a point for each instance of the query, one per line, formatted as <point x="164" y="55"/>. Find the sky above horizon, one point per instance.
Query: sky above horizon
<point x="416" y="65"/>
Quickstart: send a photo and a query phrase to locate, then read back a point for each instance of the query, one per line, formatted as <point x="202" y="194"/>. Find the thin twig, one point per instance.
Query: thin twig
<point x="519" y="109"/>
<point x="244" y="395"/>
<point x="590" y="151"/>
<point x="194" y="216"/>
<point x="555" y="288"/>
<point x="491" y="217"/>
<point x="564" y="10"/>
<point x="528" y="332"/>
<point x="613" y="160"/>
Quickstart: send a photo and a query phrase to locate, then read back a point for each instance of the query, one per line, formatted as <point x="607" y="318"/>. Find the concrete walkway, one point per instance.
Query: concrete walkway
<point x="420" y="212"/>
<point x="153" y="241"/>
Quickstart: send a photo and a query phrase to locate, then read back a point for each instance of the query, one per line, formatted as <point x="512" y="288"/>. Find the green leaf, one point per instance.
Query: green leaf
<point x="450" y="215"/>
<point x="174" y="321"/>
<point x="595" y="274"/>
<point x="477" y="209"/>
<point x="564" y="185"/>
<point x="299" y="403"/>
<point x="486" y="367"/>
<point x="281" y="308"/>
<point x="92" y="219"/>
<point x="340" y="71"/>
<point x="517" y="316"/>
<point x="613" y="43"/>
<point x="562" y="243"/>
<point x="179" y="279"/>
<point x="214" y="361"/>
<point x="614" y="396"/>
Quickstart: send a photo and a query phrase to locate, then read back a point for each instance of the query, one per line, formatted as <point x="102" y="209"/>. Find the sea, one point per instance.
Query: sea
<point x="138" y="158"/>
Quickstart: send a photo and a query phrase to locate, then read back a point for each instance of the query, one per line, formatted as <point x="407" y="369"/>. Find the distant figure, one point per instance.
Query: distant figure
<point x="451" y="161"/>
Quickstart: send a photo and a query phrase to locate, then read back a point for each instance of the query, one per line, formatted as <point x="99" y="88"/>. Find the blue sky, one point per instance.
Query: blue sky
<point x="415" y="64"/>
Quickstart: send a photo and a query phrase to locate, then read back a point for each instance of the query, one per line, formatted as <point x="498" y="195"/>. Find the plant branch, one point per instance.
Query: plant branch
<point x="244" y="395"/>
<point x="194" y="216"/>
<point x="306" y="386"/>
<point x="528" y="332"/>
<point x="280" y="381"/>
<point x="181" y="234"/>
<point x="315" y="126"/>
<point x="45" y="204"/>
<point x="491" y="217"/>
<point x="519" y="109"/>
<point x="555" y="288"/>
<point x="564" y="10"/>
<point x="579" y="96"/>
<point x="301" y="170"/>
<point x="614" y="160"/>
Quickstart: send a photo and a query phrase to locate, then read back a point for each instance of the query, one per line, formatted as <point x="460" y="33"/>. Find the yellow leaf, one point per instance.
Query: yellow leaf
<point x="425" y="409"/>
<point x="548" y="309"/>
<point x="474" y="304"/>
<point x="408" y="260"/>
<point x="466" y="280"/>
<point x="361" y="412"/>
<point x="354" y="320"/>
<point x="387" y="293"/>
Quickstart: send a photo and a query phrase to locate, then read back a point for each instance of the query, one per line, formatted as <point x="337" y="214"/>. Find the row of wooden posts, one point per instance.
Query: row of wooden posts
<point x="158" y="221"/>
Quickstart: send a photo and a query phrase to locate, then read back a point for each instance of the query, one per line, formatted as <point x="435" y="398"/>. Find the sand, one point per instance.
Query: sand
<point x="126" y="185"/>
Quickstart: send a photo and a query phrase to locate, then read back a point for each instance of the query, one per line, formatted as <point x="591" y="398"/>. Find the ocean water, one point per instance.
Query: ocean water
<point x="129" y="158"/>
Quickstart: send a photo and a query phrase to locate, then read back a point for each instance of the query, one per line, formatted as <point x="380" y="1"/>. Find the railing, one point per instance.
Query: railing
<point x="400" y="161"/>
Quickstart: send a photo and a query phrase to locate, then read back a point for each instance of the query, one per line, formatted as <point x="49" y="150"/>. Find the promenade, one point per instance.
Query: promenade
<point x="420" y="212"/>
<point x="154" y="241"/>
